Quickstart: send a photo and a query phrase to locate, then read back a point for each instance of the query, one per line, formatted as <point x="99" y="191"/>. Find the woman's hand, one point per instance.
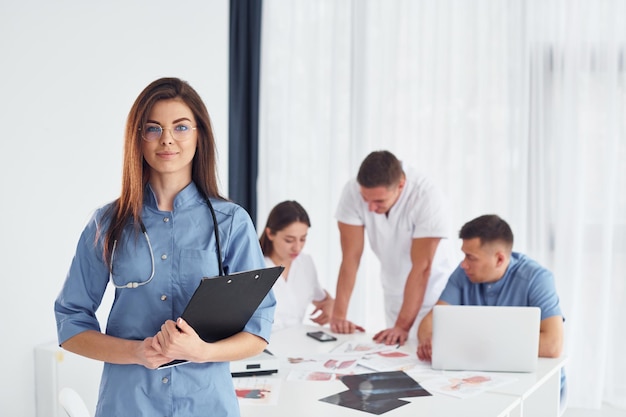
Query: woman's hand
<point x="179" y="340"/>
<point x="148" y="356"/>
<point x="325" y="310"/>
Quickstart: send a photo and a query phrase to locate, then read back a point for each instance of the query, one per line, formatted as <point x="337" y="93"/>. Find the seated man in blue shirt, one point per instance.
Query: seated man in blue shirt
<point x="493" y="275"/>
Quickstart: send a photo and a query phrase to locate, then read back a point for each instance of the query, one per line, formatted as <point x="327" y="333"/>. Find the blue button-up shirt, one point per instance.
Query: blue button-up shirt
<point x="184" y="248"/>
<point x="525" y="283"/>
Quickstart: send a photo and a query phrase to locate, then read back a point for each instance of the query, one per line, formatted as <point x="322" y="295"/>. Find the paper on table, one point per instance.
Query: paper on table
<point x="257" y="391"/>
<point x="390" y="361"/>
<point x="325" y="363"/>
<point x="465" y="384"/>
<point x="362" y="348"/>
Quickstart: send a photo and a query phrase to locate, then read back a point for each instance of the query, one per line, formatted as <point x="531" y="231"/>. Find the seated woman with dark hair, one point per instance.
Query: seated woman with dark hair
<point x="282" y="241"/>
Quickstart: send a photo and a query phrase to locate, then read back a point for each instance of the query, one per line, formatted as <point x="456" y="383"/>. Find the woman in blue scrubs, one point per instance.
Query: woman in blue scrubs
<point x="154" y="244"/>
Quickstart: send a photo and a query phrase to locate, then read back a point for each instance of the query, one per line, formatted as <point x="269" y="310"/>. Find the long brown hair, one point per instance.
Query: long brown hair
<point x="135" y="172"/>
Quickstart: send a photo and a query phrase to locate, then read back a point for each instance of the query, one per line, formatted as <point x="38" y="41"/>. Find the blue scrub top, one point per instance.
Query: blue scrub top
<point x="184" y="249"/>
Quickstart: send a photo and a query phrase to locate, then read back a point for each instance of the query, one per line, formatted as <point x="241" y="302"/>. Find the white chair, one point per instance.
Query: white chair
<point x="71" y="402"/>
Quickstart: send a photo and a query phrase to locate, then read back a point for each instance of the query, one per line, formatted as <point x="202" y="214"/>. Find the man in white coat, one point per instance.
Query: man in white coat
<point x="407" y="226"/>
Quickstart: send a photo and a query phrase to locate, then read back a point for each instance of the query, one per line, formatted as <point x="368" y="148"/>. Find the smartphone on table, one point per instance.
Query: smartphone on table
<point x="321" y="336"/>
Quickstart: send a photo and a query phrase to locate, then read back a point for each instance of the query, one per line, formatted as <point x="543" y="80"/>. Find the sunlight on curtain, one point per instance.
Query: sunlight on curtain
<point x="515" y="108"/>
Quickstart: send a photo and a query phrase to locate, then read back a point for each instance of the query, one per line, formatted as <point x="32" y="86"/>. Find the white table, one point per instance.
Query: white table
<point x="532" y="394"/>
<point x="539" y="391"/>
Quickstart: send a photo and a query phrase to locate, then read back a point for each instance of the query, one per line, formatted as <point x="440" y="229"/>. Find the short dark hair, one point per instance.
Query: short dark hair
<point x="281" y="216"/>
<point x="380" y="168"/>
<point x="488" y="228"/>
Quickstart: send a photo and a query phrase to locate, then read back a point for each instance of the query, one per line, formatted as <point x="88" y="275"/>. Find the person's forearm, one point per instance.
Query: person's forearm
<point x="102" y="347"/>
<point x="323" y="301"/>
<point x="425" y="329"/>
<point x="345" y="286"/>
<point x="352" y="241"/>
<point x="550" y="346"/>
<point x="239" y="346"/>
<point x="414" y="290"/>
<point x="551" y="337"/>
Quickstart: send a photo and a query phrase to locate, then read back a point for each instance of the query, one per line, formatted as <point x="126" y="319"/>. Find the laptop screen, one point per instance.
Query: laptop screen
<point x="485" y="338"/>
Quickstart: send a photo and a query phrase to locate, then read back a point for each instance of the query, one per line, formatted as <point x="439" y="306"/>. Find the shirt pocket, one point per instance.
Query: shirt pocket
<point x="194" y="265"/>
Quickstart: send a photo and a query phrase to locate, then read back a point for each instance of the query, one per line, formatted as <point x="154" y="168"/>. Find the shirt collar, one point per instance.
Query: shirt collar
<point x="513" y="259"/>
<point x="184" y="198"/>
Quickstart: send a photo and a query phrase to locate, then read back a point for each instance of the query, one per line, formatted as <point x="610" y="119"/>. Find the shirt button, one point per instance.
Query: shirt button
<point x="164" y="256"/>
<point x="163" y="297"/>
<point x="164" y="380"/>
<point x="166" y="219"/>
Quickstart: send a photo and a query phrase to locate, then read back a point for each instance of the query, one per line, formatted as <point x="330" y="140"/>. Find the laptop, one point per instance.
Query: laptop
<point x="485" y="338"/>
<point x="221" y="306"/>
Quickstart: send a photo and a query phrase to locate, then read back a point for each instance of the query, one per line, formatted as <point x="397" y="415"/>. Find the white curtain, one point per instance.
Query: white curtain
<point x="515" y="108"/>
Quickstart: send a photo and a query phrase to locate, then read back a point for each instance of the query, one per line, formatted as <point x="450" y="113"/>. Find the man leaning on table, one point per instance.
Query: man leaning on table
<point x="491" y="274"/>
<point x="405" y="218"/>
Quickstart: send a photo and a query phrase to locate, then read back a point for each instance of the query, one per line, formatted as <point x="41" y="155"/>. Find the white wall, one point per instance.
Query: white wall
<point x="69" y="72"/>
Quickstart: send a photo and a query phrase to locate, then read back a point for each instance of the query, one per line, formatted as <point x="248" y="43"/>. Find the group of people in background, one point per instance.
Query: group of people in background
<point x="406" y="221"/>
<point x="156" y="240"/>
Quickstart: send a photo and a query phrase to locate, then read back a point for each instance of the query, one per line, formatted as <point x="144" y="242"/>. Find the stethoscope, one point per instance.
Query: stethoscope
<point x="137" y="284"/>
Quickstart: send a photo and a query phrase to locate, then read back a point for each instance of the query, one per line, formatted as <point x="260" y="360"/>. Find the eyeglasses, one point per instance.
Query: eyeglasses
<point x="180" y="131"/>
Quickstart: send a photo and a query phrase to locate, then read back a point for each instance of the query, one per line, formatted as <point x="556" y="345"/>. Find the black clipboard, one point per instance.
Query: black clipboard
<point x="221" y="306"/>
